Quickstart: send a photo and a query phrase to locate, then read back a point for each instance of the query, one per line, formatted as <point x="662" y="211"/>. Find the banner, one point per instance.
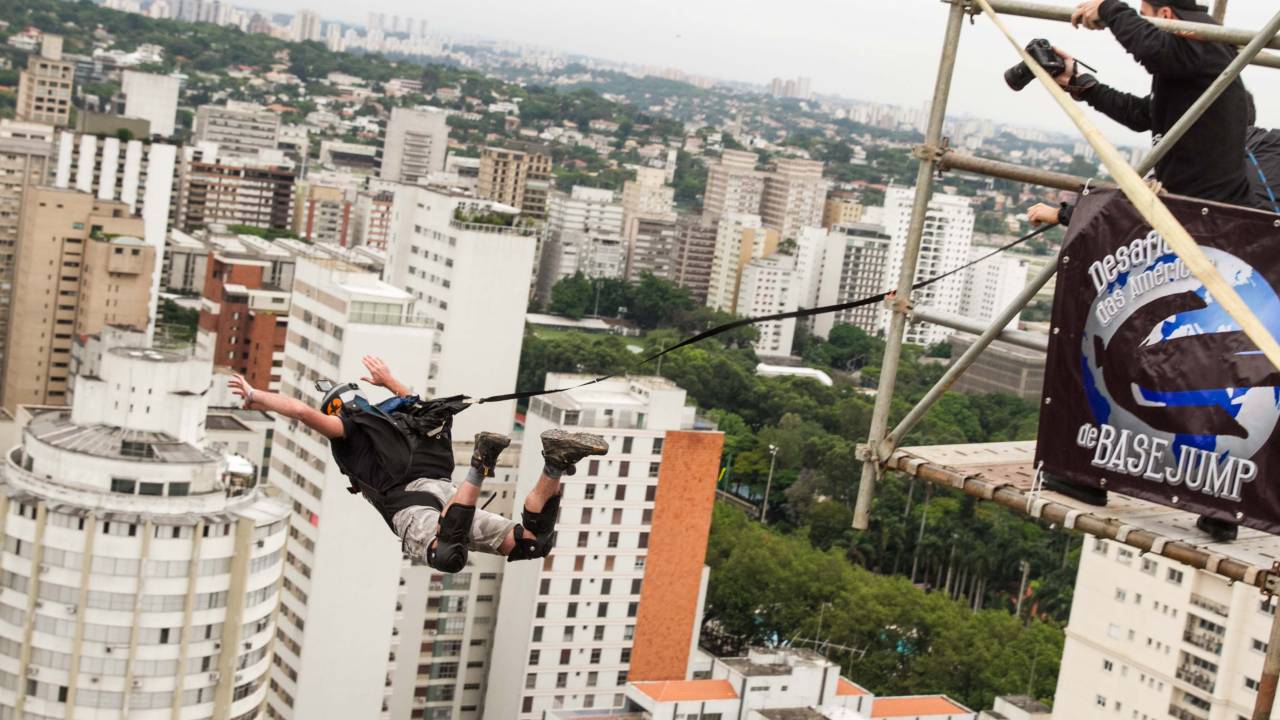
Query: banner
<point x="1151" y="390"/>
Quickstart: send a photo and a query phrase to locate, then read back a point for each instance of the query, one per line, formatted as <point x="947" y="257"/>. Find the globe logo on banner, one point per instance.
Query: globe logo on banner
<point x="1151" y="389"/>
<point x="1165" y="303"/>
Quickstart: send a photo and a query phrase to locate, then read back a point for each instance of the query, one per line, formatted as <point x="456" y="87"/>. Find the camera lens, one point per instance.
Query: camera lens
<point x="1018" y="77"/>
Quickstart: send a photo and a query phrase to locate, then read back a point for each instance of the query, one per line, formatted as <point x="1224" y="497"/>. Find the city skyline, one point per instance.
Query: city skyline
<point x="693" y="38"/>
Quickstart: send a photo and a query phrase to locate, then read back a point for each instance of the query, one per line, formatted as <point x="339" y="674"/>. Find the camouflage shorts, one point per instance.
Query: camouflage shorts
<point x="417" y="526"/>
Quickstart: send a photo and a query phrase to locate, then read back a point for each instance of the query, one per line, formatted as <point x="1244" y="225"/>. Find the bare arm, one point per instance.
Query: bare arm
<point x="329" y="426"/>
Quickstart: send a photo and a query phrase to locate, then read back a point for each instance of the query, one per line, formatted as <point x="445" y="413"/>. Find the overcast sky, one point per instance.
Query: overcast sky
<point x="880" y="50"/>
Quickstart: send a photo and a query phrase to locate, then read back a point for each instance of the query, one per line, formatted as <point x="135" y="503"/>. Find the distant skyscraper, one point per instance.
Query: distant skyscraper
<point x="618" y="597"/>
<point x="305" y="27"/>
<point x="153" y="98"/>
<point x="25" y="161"/>
<point x="90" y="255"/>
<point x="142" y="567"/>
<point x="948" y="234"/>
<point x="415" y="144"/>
<point x="343" y="564"/>
<point x="44" y="87"/>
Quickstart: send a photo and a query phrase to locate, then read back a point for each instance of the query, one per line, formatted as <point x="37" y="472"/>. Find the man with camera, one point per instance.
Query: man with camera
<point x="1209" y="162"/>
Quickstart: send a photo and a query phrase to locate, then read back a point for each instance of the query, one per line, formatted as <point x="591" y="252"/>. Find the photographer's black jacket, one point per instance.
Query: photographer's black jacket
<point x="1209" y="162"/>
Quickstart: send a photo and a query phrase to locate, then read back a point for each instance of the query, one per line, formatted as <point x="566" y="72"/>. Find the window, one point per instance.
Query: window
<point x="1107" y="665"/>
<point x="605" y="586"/>
<point x="151" y="488"/>
<point x="599" y="633"/>
<point x="121" y="485"/>
<point x="541" y="610"/>
<point x="1100" y="701"/>
<point x="1121" y="595"/>
<point x="657" y="446"/>
<point x="593" y="469"/>
<point x="653" y="469"/>
<point x="621" y="493"/>
<point x="1148" y="566"/>
<point x="650" y="493"/>
<point x="644" y="540"/>
<point x="179" y="488"/>
<point x="572" y="610"/>
<point x="595" y="656"/>
<point x="571" y="417"/>
<point x="631" y="609"/>
<point x="1175" y="576"/>
<point x="562" y="679"/>
<point x="575" y="586"/>
<point x="537" y="634"/>
<point x="582" y="538"/>
<point x="624" y="469"/>
<point x="1259" y="646"/>
<point x="626" y="657"/>
<point x="635" y="586"/>
<point x="530" y="681"/>
<point x="613" y="539"/>
<point x="590" y="492"/>
<point x="544" y="588"/>
<point x="564" y="656"/>
<point x="534" y="656"/>
<point x="1100" y="547"/>
<point x="626" y="445"/>
<point x="568" y="633"/>
<point x="1251" y="684"/>
<point x="602" y="610"/>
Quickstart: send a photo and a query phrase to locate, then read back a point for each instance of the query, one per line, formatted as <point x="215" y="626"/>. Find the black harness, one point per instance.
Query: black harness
<point x="415" y="423"/>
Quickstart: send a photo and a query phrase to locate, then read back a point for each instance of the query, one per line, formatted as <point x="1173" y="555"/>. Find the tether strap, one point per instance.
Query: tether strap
<point x="802" y="313"/>
<point x="1275" y="204"/>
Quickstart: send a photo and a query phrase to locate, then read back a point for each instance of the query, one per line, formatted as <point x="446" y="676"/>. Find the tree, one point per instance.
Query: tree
<point x="571" y="296"/>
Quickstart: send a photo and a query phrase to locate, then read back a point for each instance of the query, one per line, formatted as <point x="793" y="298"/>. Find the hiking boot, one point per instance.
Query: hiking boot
<point x="562" y="449"/>
<point x="488" y="447"/>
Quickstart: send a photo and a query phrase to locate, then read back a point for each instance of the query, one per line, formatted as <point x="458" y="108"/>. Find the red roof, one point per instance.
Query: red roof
<point x="686" y="690"/>
<point x="910" y="707"/>
<point x="848" y="687"/>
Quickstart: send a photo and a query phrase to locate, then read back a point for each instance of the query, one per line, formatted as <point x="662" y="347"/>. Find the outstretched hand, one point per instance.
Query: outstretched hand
<point x="242" y="389"/>
<point x="379" y="373"/>
<point x="1042" y="214"/>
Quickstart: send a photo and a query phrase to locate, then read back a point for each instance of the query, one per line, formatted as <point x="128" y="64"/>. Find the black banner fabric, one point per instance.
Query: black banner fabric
<point x="1151" y="389"/>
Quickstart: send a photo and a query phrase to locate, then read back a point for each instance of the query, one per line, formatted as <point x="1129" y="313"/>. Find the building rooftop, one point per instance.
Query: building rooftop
<point x="846" y="688"/>
<point x="148" y="354"/>
<point x="752" y="669"/>
<point x="688" y="690"/>
<point x="913" y="707"/>
<point x="55" y="428"/>
<point x="224" y="422"/>
<point x="791" y="714"/>
<point x="1029" y="704"/>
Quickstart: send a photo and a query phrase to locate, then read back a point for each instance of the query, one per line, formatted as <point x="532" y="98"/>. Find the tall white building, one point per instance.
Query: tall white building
<point x="734" y="185"/>
<point x="153" y="98"/>
<point x="141" y="567"/>
<point x="584" y="235"/>
<point x="305" y="27"/>
<point x="469" y="263"/>
<point x="342" y="571"/>
<point x="857" y="270"/>
<point x="992" y="285"/>
<point x="1150" y="637"/>
<point x="620" y="595"/>
<point x="769" y="286"/>
<point x="136" y="173"/>
<point x="415" y="144"/>
<point x="739" y="240"/>
<point x="948" y="235"/>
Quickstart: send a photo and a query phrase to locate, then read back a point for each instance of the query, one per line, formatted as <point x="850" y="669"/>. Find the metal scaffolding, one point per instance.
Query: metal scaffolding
<point x="882" y="450"/>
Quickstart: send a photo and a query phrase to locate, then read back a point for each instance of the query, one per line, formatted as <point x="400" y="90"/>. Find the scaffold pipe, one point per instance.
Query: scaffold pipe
<point x="953" y="160"/>
<point x="1197" y="31"/>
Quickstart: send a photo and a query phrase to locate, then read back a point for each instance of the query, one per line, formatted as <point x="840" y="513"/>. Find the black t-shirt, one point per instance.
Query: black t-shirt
<point x="375" y="451"/>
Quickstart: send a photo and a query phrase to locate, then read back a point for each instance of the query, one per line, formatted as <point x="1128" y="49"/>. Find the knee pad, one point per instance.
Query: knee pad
<point x="450" y="551"/>
<point x="539" y="546"/>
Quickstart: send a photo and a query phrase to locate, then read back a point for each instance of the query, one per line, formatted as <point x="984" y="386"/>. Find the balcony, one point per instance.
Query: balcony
<point x="1205" y="603"/>
<point x="1182" y="713"/>
<point x="1204" y="641"/>
<point x="523" y="231"/>
<point x="1196" y="676"/>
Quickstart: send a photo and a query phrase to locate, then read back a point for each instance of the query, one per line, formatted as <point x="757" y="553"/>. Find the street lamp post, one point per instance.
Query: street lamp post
<point x="773" y="459"/>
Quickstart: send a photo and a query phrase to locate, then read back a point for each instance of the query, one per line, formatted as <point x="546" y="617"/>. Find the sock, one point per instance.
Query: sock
<point x="475" y="476"/>
<point x="553" y="473"/>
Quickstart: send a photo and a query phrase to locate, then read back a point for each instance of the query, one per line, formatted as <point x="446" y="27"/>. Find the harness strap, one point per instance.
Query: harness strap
<point x="1275" y="204"/>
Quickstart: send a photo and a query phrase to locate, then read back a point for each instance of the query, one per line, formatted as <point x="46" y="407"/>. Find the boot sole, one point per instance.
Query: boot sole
<point x="588" y="442"/>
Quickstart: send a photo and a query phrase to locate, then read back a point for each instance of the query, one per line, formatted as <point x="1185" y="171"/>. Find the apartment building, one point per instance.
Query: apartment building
<point x="239" y="129"/>
<point x="25" y="161"/>
<point x="520" y="178"/>
<point x="696" y="252"/>
<point x="861" y="270"/>
<point x="342" y="563"/>
<point x="243" y="318"/>
<point x="734" y="185"/>
<point x="469" y="264"/>
<point x="81" y="265"/>
<point x="841" y="208"/>
<point x="653" y="248"/>
<point x="739" y="240"/>
<point x="1152" y="638"/>
<point x="948" y="235"/>
<point x="371" y="219"/>
<point x="415" y="144"/>
<point x="141" y="566"/>
<point x="793" y="197"/>
<point x="215" y="187"/>
<point x="992" y="285"/>
<point x="153" y="98"/>
<point x="619" y="597"/>
<point x="584" y="235"/>
<point x="44" y="86"/>
<point x="324" y="215"/>
<point x="769" y="286"/>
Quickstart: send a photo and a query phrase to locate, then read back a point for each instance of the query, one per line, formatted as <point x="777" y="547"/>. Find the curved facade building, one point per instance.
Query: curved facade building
<point x="140" y="571"/>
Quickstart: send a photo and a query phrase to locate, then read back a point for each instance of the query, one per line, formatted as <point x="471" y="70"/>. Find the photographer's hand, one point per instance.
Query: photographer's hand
<point x="1088" y="15"/>
<point x="1064" y="79"/>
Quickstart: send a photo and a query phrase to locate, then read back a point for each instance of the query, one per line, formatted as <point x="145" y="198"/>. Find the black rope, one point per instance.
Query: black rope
<point x="743" y="322"/>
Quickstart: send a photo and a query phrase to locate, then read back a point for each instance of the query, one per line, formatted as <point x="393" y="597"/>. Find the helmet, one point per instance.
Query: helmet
<point x="337" y="397"/>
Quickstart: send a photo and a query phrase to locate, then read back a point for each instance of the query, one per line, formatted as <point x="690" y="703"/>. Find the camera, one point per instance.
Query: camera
<point x="1019" y="76"/>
